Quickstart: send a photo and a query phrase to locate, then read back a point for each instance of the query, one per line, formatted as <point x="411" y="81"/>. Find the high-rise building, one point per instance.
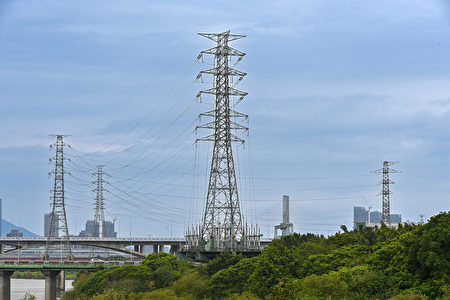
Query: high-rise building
<point x="92" y="229"/>
<point x="375" y="217"/>
<point x="360" y="216"/>
<point x="396" y="218"/>
<point x="15" y="233"/>
<point x="47" y="221"/>
<point x="108" y="229"/>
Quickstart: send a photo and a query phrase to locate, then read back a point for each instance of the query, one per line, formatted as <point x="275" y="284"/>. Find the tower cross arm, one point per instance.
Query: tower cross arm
<point x="234" y="138"/>
<point x="237" y="126"/>
<point x="216" y="36"/>
<point x="233" y="114"/>
<point x="228" y="72"/>
<point x="212" y="125"/>
<point x="380" y="171"/>
<point x="212" y="138"/>
<point x="227" y="50"/>
<point x="229" y="91"/>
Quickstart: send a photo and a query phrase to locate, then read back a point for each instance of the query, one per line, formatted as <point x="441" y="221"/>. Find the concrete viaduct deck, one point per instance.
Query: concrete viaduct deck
<point x="117" y="244"/>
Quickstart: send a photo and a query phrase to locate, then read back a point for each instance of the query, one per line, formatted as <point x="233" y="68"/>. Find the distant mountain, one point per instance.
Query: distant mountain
<point x="7" y="226"/>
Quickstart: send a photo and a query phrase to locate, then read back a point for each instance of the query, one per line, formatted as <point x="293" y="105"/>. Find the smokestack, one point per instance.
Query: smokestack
<point x="285" y="209"/>
<point x="285" y="227"/>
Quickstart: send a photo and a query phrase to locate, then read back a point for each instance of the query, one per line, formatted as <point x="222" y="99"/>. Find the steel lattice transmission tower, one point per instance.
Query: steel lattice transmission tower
<point x="99" y="215"/>
<point x="222" y="227"/>
<point x="58" y="231"/>
<point x="386" y="192"/>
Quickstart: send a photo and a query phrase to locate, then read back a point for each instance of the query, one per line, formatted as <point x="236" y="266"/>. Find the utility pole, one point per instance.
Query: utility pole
<point x="222" y="220"/>
<point x="58" y="231"/>
<point x="385" y="193"/>
<point x="99" y="215"/>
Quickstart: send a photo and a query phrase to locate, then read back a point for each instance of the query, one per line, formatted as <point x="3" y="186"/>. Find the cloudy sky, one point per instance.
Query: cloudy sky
<point x="335" y="88"/>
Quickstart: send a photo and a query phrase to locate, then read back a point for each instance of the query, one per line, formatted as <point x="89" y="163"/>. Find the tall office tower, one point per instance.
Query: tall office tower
<point x="47" y="222"/>
<point x="396" y="218"/>
<point x="375" y="216"/>
<point x="360" y="216"/>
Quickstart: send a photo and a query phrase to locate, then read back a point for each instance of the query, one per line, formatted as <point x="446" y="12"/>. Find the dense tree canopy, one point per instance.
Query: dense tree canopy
<point x="410" y="262"/>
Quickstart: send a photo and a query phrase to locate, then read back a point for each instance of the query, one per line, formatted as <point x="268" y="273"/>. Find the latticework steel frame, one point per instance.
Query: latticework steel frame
<point x="58" y="231"/>
<point x="222" y="219"/>
<point x="99" y="214"/>
<point x="386" y="192"/>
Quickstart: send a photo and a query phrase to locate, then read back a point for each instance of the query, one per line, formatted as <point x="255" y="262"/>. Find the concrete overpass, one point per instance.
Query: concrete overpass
<point x="54" y="274"/>
<point x="117" y="244"/>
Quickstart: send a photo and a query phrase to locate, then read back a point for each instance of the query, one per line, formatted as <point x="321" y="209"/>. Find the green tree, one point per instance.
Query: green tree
<point x="348" y="283"/>
<point x="232" y="280"/>
<point x="157" y="260"/>
<point x="163" y="276"/>
<point x="348" y="256"/>
<point x="419" y="259"/>
<point x="411" y="262"/>
<point x="282" y="260"/>
<point x="157" y="271"/>
<point x="192" y="284"/>
<point x="223" y="261"/>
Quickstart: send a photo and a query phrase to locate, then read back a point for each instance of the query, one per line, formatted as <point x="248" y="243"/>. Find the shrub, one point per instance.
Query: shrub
<point x="223" y="261"/>
<point x="233" y="279"/>
<point x="191" y="284"/>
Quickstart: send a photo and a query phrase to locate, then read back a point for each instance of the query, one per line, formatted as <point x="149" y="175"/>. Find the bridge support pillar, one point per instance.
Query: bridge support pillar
<point x="5" y="284"/>
<point x="174" y="249"/>
<point x="50" y="284"/>
<point x="61" y="281"/>
<point x="161" y="248"/>
<point x="139" y="248"/>
<point x="155" y="249"/>
<point x="2" y="249"/>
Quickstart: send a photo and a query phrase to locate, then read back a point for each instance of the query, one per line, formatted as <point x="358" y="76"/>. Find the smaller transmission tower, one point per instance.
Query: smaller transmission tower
<point x="99" y="215"/>
<point x="58" y="232"/>
<point x="385" y="193"/>
<point x="421" y="222"/>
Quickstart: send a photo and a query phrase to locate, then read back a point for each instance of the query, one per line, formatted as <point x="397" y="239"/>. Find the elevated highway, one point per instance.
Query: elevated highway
<point x="128" y="245"/>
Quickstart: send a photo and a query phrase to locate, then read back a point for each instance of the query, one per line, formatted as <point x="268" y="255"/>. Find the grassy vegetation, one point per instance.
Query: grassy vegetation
<point x="28" y="275"/>
<point x="411" y="262"/>
<point x="70" y="275"/>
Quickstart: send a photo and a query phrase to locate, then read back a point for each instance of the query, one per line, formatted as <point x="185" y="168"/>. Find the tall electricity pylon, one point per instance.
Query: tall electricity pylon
<point x="58" y="231"/>
<point x="222" y="219"/>
<point x="385" y="193"/>
<point x="99" y="215"/>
